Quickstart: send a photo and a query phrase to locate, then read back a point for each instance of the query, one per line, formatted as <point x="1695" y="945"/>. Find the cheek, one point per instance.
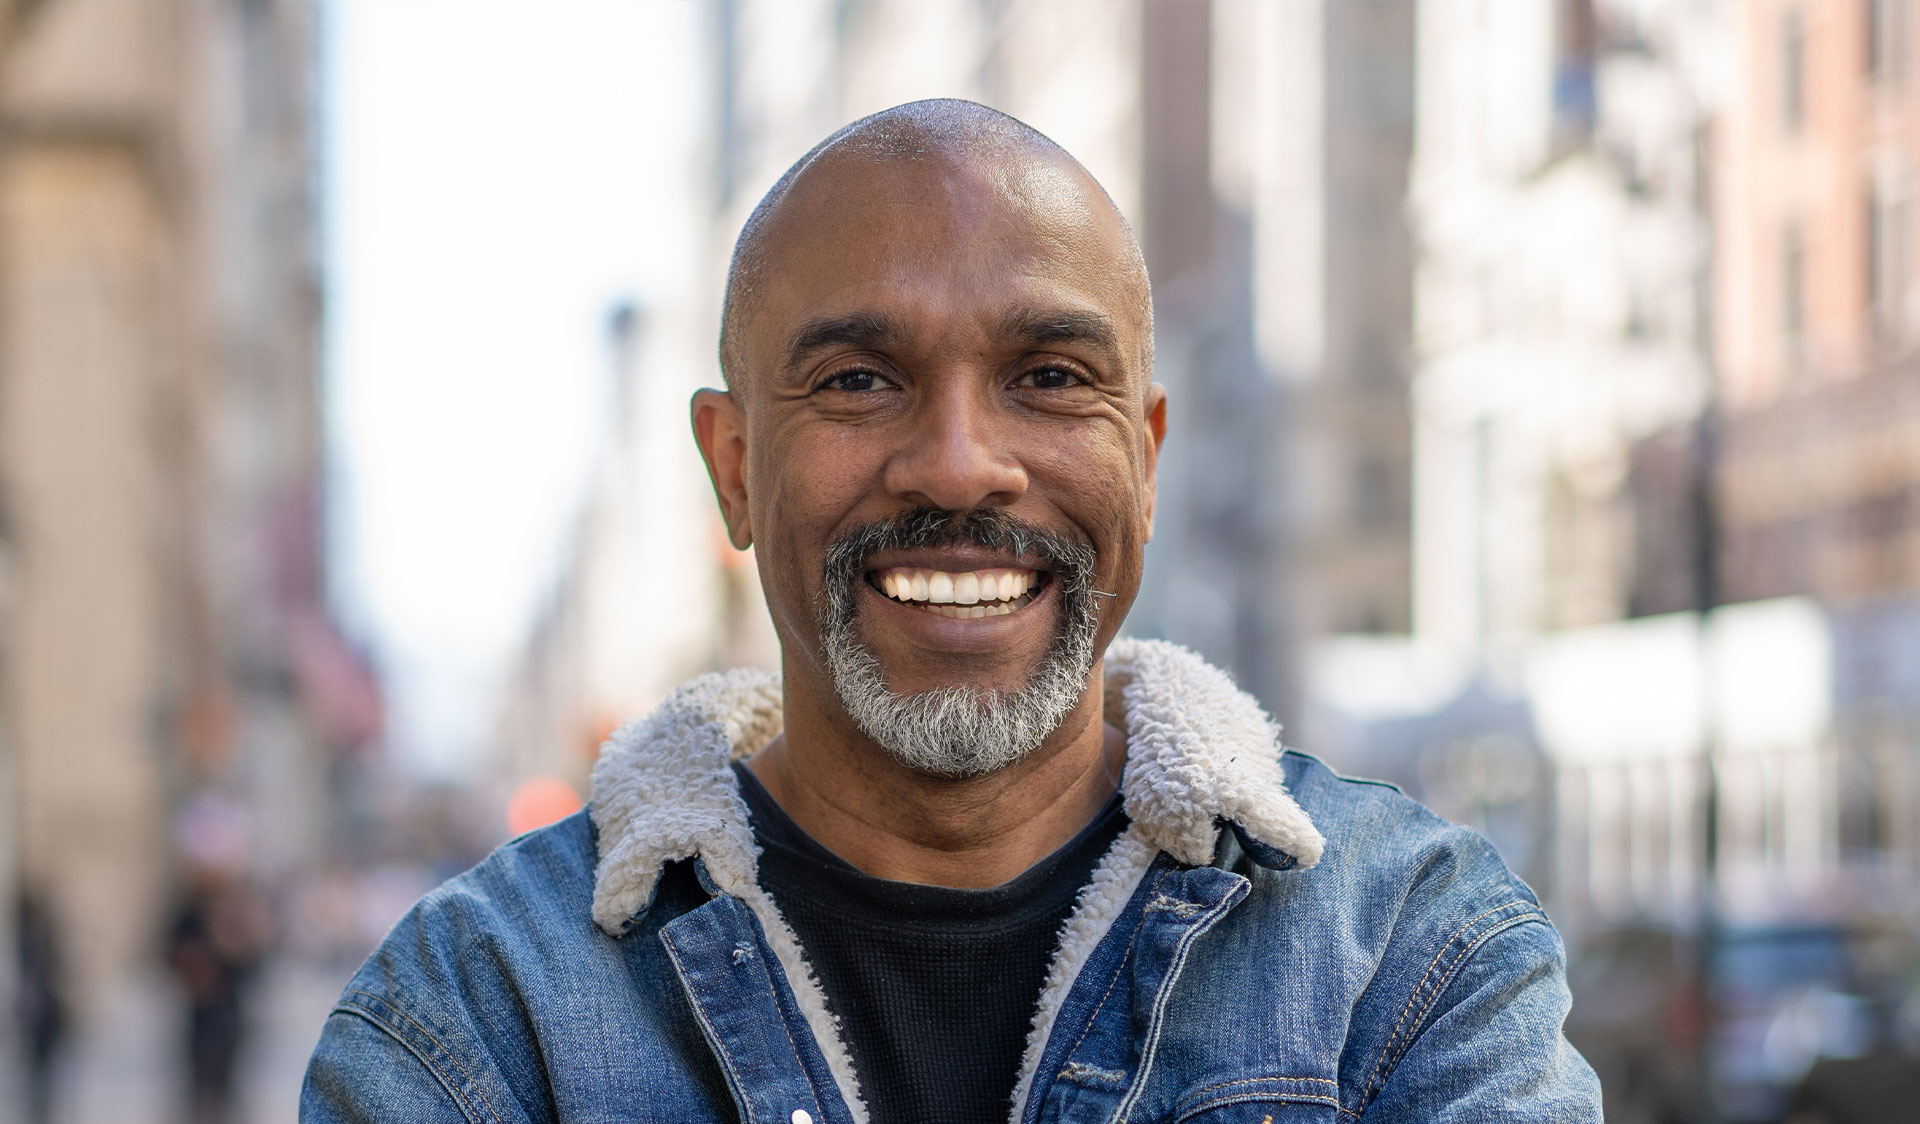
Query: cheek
<point x="803" y="485"/>
<point x="1101" y="482"/>
<point x="812" y="476"/>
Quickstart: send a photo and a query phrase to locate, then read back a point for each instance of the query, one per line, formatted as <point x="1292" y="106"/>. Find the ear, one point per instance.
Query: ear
<point x="1156" y="433"/>
<point x="719" y="427"/>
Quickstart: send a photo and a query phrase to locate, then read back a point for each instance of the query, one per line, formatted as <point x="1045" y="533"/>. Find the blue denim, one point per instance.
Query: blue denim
<point x="1408" y="976"/>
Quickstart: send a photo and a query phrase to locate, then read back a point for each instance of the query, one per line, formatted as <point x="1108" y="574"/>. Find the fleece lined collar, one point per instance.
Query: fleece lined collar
<point x="1199" y="751"/>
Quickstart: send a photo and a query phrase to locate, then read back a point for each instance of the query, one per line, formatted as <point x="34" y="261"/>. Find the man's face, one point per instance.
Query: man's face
<point x="932" y="338"/>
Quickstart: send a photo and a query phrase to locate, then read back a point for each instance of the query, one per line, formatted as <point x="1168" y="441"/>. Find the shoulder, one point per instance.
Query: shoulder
<point x="1394" y="850"/>
<point x="448" y="1000"/>
<point x="1442" y="946"/>
<point x="1413" y="900"/>
<point x="528" y="901"/>
<point x="473" y="958"/>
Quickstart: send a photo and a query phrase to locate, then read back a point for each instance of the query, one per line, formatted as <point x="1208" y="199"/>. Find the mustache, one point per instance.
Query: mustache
<point x="1070" y="559"/>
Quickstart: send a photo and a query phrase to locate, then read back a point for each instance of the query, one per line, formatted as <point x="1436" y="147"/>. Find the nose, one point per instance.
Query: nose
<point x="959" y="455"/>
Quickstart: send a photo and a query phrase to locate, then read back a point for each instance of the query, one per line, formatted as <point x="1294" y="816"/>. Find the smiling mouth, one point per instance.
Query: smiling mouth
<point x="966" y="595"/>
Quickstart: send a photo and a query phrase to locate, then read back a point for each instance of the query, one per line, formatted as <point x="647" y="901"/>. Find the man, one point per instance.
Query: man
<point x="968" y="858"/>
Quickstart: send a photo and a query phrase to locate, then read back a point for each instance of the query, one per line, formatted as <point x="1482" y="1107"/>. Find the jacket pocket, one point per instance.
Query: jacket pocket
<point x="1260" y="1100"/>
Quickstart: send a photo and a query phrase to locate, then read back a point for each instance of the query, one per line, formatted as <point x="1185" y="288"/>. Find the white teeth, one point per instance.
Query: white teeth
<point x="995" y="592"/>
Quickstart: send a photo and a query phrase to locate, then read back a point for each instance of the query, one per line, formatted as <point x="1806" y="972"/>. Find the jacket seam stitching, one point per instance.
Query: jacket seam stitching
<point x="1150" y="1046"/>
<point x="1117" y="971"/>
<point x="799" y="1062"/>
<point x="1413" y="997"/>
<point x="1466" y="954"/>
<point x="727" y="1065"/>
<point x="460" y="1097"/>
<point x="1283" y="1096"/>
<point x="1377" y="1077"/>
<point x="1114" y="980"/>
<point x="1198" y="1102"/>
<point x="1264" y="1081"/>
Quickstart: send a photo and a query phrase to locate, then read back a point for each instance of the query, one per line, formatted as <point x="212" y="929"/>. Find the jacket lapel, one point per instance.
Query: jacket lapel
<point x="1200" y="754"/>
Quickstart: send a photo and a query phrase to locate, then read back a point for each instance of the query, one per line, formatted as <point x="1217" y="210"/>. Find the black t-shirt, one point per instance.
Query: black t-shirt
<point x="934" y="987"/>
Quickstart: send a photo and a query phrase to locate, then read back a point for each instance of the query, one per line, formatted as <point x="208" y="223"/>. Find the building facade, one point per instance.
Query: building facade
<point x="170" y="663"/>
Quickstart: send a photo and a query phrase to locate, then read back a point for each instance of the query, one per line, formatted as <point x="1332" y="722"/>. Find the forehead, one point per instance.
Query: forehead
<point x="941" y="244"/>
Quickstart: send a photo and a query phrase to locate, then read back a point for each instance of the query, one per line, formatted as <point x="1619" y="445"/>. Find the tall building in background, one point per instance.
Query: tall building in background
<point x="650" y="593"/>
<point x="1312" y="138"/>
<point x="1815" y="450"/>
<point x="174" y="688"/>
<point x="1664" y="461"/>
<point x="1558" y="318"/>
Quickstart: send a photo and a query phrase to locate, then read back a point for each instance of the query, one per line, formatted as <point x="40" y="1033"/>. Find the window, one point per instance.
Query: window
<point x="1887" y="41"/>
<point x="1576" y="39"/>
<point x="1374" y="508"/>
<point x="1792" y="62"/>
<point x="1792" y="293"/>
<point x="1889" y="271"/>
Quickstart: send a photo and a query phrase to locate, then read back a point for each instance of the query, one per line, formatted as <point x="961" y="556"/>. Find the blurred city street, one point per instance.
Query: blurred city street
<point x="1544" y="438"/>
<point x="129" y="1068"/>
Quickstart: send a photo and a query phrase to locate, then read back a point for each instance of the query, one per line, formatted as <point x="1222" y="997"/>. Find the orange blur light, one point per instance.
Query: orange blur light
<point x="538" y="802"/>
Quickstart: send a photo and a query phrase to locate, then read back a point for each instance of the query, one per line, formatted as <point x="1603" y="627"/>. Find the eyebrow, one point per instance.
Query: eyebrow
<point x="1044" y="326"/>
<point x="1031" y="326"/>
<point x="858" y="329"/>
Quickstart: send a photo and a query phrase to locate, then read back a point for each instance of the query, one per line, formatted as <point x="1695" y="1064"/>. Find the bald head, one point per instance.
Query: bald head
<point x="944" y="131"/>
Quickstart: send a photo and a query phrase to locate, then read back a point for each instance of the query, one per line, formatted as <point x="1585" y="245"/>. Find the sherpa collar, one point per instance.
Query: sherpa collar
<point x="1199" y="751"/>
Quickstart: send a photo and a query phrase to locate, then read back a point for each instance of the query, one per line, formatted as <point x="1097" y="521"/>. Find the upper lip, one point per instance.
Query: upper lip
<point x="952" y="560"/>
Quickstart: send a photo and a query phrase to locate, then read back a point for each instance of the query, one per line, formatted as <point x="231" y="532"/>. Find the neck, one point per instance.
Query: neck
<point x="891" y="822"/>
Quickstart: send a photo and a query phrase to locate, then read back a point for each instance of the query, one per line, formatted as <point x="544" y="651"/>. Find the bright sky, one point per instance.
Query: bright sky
<point x="498" y="175"/>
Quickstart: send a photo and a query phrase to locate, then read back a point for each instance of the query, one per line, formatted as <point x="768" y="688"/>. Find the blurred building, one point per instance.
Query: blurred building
<point x="173" y="685"/>
<point x="1559" y="315"/>
<point x="1313" y="130"/>
<point x="1789" y="505"/>
<point x="1815" y="451"/>
<point x="1664" y="416"/>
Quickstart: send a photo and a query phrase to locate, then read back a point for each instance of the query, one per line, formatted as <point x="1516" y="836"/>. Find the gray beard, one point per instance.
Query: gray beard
<point x="959" y="731"/>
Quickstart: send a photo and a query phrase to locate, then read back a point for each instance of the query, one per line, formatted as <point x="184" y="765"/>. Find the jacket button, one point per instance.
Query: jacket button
<point x="801" y="1116"/>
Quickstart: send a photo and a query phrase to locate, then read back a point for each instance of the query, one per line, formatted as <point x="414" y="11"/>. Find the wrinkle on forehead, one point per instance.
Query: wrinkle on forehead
<point x="1028" y="180"/>
<point x="891" y="225"/>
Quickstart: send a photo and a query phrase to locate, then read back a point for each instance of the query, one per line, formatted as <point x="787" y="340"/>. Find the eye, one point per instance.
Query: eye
<point x="855" y="380"/>
<point x="1050" y="378"/>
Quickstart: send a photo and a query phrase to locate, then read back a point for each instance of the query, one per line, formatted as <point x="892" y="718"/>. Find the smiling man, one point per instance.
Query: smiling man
<point x="969" y="857"/>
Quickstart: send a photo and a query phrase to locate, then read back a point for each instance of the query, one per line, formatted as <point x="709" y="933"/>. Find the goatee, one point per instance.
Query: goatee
<point x="959" y="731"/>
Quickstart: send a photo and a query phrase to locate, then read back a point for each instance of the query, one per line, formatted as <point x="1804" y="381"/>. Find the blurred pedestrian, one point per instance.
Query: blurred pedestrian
<point x="40" y="1003"/>
<point x="215" y="945"/>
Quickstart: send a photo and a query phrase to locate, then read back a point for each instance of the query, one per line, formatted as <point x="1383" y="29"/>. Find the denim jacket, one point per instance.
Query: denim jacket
<point x="1268" y="942"/>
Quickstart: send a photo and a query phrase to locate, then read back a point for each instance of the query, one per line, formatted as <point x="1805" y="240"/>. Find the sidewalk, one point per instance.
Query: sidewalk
<point x="126" y="1069"/>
